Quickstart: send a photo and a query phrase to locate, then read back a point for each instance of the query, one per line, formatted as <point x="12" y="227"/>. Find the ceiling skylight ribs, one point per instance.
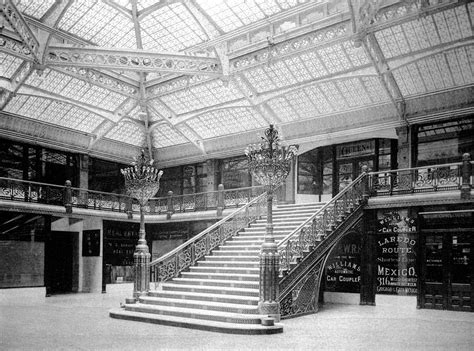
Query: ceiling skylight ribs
<point x="127" y="132"/>
<point x="164" y="135"/>
<point x="55" y="112"/>
<point x="99" y="23"/>
<point x="171" y="28"/>
<point x="226" y="121"/>
<point x="8" y="65"/>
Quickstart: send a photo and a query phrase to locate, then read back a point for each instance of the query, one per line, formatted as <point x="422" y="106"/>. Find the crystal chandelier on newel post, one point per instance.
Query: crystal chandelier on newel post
<point x="270" y="164"/>
<point x="142" y="181"/>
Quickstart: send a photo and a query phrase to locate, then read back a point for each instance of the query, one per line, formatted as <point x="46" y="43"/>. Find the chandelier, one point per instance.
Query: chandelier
<point x="142" y="179"/>
<point x="269" y="161"/>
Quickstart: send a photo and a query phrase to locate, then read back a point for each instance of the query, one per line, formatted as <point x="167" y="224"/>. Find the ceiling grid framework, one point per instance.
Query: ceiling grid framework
<point x="187" y="76"/>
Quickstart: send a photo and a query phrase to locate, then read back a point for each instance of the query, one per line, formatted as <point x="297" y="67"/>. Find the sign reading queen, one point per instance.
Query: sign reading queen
<point x="396" y="253"/>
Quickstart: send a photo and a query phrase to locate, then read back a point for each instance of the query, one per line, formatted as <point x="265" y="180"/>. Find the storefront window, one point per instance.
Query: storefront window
<point x="396" y="242"/>
<point x="444" y="142"/>
<point x="235" y="173"/>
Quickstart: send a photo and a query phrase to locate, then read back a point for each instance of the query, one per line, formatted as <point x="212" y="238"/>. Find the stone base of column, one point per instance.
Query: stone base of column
<point x="270" y="309"/>
<point x="141" y="259"/>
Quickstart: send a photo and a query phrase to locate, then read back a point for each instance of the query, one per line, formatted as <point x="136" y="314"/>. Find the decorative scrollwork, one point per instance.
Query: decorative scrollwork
<point x="303" y="298"/>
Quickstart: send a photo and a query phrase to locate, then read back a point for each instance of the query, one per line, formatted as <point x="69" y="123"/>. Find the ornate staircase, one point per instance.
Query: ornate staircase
<point x="220" y="292"/>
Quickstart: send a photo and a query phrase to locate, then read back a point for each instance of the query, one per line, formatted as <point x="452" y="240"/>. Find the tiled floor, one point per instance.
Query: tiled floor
<point x="81" y="322"/>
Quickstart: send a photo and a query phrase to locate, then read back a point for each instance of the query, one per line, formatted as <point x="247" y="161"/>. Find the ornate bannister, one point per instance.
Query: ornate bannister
<point x="431" y="178"/>
<point x="320" y="225"/>
<point x="26" y="191"/>
<point x="72" y="197"/>
<point x="179" y="259"/>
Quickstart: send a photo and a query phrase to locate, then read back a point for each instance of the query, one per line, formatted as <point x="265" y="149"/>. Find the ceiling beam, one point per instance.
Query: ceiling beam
<point x="16" y="20"/>
<point x="131" y="60"/>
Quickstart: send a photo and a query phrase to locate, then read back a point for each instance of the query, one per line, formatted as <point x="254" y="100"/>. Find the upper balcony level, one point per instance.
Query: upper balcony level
<point x="433" y="184"/>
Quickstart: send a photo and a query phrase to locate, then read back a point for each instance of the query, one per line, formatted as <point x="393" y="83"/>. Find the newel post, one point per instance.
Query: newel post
<point x="68" y="197"/>
<point x="365" y="184"/>
<point x="220" y="199"/>
<point x="169" y="210"/>
<point x="466" y="172"/>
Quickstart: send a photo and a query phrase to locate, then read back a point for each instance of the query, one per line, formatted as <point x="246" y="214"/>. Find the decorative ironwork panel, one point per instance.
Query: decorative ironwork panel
<point x="422" y="179"/>
<point x="321" y="224"/>
<point x="303" y="298"/>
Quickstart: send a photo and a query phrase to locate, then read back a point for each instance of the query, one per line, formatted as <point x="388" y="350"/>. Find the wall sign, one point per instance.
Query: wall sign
<point x="396" y="253"/>
<point x="343" y="266"/>
<point x="91" y="242"/>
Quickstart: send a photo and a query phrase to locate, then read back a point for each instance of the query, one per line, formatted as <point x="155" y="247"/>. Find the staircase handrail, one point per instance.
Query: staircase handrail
<point x="303" y="242"/>
<point x="172" y="263"/>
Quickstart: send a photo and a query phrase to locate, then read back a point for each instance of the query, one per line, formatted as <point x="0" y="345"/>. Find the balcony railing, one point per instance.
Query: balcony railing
<point x="432" y="178"/>
<point x="71" y="197"/>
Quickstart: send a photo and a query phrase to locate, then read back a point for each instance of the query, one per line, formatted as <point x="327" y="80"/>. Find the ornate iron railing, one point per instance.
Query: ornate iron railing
<point x="29" y="191"/>
<point x="321" y="224"/>
<point x="416" y="180"/>
<point x="185" y="255"/>
<point x="18" y="190"/>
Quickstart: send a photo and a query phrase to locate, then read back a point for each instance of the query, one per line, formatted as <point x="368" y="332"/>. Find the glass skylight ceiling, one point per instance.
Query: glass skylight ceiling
<point x="312" y="71"/>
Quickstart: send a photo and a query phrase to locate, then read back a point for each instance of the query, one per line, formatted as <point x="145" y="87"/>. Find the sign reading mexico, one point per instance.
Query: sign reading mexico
<point x="396" y="253"/>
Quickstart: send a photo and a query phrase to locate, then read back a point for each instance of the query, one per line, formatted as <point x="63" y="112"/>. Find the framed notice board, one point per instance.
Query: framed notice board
<point x="91" y="242"/>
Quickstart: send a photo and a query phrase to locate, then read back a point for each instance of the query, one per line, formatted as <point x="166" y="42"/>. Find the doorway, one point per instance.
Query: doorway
<point x="447" y="270"/>
<point x="59" y="253"/>
<point x="348" y="170"/>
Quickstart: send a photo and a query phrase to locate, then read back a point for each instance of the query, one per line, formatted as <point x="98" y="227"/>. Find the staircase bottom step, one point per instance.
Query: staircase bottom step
<point x="221" y="327"/>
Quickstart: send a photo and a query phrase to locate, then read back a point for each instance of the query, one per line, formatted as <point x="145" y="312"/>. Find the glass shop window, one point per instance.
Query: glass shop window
<point x="11" y="160"/>
<point x="327" y="158"/>
<point x="171" y="181"/>
<point x="385" y="156"/>
<point x="308" y="173"/>
<point x="445" y="142"/>
<point x="235" y="173"/>
<point x="106" y="176"/>
<point x="58" y="167"/>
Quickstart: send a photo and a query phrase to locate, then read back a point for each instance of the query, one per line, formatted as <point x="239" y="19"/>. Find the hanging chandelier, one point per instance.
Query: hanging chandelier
<point x="269" y="161"/>
<point x="142" y="179"/>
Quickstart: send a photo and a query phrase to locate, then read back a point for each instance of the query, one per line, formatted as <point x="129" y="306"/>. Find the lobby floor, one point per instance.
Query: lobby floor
<point x="81" y="322"/>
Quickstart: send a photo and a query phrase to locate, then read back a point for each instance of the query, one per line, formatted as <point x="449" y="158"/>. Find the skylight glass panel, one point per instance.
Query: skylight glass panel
<point x="283" y="109"/>
<point x="319" y="99"/>
<point x="354" y="92"/>
<point x="99" y="23"/>
<point x="259" y="79"/>
<point x="357" y="56"/>
<point x="34" y="8"/>
<point x="374" y="89"/>
<point x="54" y="112"/>
<point x="313" y="63"/>
<point x="76" y="89"/>
<point x="164" y="135"/>
<point x="333" y="95"/>
<point x="128" y="133"/>
<point x="8" y="65"/>
<point x="171" y="28"/>
<point x="200" y="96"/>
<point x="226" y="121"/>
<point x="302" y="103"/>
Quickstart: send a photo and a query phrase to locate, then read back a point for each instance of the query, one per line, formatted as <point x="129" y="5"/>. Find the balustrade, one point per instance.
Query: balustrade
<point x="317" y="227"/>
<point x="174" y="262"/>
<point x="71" y="197"/>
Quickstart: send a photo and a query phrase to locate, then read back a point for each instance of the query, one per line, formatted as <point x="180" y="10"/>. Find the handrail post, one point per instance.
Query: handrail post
<point x="67" y="197"/>
<point x="365" y="184"/>
<point x="220" y="199"/>
<point x="169" y="210"/>
<point x="466" y="173"/>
